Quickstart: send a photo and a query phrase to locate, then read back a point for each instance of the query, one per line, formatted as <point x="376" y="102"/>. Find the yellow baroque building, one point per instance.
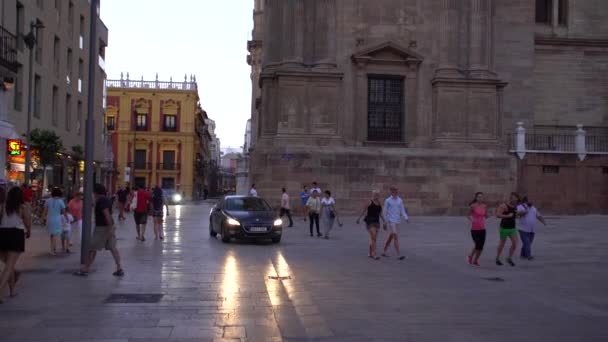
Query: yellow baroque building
<point x="152" y="125"/>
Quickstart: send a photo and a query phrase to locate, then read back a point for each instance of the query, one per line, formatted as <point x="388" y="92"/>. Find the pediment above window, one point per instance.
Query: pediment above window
<point x="387" y="53"/>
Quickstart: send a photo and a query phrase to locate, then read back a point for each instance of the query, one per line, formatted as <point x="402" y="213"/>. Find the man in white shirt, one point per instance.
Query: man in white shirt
<point x="526" y="224"/>
<point x="253" y="192"/>
<point x="393" y="211"/>
<point x="285" y="207"/>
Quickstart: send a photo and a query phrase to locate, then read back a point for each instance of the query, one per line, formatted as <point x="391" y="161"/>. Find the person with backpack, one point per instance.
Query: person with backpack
<point x="158" y="202"/>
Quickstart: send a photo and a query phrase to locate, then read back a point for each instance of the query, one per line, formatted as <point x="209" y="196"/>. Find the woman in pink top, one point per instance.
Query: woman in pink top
<point x="75" y="209"/>
<point x="477" y="215"/>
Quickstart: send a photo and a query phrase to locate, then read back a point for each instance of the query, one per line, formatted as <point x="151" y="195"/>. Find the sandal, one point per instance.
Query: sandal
<point x="119" y="273"/>
<point x="80" y="273"/>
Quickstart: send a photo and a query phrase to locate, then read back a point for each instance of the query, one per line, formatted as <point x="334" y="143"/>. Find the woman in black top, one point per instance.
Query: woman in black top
<point x="373" y="214"/>
<point x="158" y="202"/>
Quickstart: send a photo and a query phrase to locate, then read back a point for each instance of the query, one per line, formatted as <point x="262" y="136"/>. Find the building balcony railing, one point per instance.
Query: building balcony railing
<point x="186" y="85"/>
<point x="140" y="166"/>
<point x="8" y="50"/>
<point x="169" y="129"/>
<point x="577" y="143"/>
<point x="168" y="166"/>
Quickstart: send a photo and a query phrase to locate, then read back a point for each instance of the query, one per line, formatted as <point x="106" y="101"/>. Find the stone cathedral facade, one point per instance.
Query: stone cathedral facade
<point x="361" y="94"/>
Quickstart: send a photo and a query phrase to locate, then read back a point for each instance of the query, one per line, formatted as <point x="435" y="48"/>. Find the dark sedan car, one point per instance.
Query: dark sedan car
<point x="245" y="217"/>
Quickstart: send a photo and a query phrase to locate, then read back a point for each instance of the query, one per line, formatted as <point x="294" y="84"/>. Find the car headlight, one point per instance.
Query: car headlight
<point x="278" y="222"/>
<point x="233" y="222"/>
<point x="177" y="198"/>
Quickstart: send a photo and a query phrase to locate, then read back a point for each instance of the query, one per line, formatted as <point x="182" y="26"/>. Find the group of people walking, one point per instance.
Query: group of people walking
<point x="515" y="215"/>
<point x="64" y="221"/>
<point x="143" y="203"/>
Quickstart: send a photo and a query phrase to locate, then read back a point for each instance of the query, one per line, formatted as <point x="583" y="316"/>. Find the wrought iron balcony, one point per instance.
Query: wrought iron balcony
<point x="8" y="50"/>
<point x="168" y="166"/>
<point x="140" y="166"/>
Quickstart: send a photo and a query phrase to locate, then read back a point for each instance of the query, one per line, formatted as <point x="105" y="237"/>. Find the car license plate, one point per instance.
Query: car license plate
<point x="258" y="229"/>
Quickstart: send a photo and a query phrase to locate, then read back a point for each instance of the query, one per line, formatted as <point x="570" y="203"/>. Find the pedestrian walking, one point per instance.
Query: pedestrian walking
<point x="328" y="213"/>
<point x="526" y="224"/>
<point x="54" y="208"/>
<point x="373" y="215"/>
<point x="286" y="207"/>
<point x="507" y="213"/>
<point x="304" y="196"/>
<point x="141" y="207"/>
<point x="313" y="206"/>
<point x="122" y="195"/>
<point x="315" y="187"/>
<point x="104" y="235"/>
<point x="158" y="203"/>
<point x="253" y="192"/>
<point x="205" y="193"/>
<point x="478" y="213"/>
<point x="15" y="227"/>
<point x="394" y="211"/>
<point x="75" y="209"/>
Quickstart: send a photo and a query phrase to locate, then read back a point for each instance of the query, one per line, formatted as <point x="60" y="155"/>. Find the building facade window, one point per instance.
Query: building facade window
<point x="111" y="123"/>
<point x="140" y="159"/>
<point x="80" y="74"/>
<point x="54" y="106"/>
<point x="20" y="22"/>
<point x="385" y="108"/>
<point x="37" y="95"/>
<point x="68" y="112"/>
<point x="56" y="55"/>
<point x="71" y="17"/>
<point x="170" y="123"/>
<point x="544" y="11"/>
<point x="39" y="43"/>
<point x="79" y="120"/>
<point x="82" y="31"/>
<point x="18" y="87"/>
<point x="168" y="160"/>
<point x="141" y="122"/>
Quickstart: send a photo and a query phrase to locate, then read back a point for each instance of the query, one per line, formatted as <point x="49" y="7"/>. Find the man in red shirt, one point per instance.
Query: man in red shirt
<point x="140" y="211"/>
<point x="28" y="194"/>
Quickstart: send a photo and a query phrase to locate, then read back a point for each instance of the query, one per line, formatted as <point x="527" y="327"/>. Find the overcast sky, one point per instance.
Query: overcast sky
<point x="202" y="37"/>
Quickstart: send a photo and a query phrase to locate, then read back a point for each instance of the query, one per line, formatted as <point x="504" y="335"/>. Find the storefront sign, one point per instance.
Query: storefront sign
<point x="15" y="147"/>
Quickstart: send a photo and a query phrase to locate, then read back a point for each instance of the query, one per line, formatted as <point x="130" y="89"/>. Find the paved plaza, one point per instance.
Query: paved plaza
<point x="309" y="289"/>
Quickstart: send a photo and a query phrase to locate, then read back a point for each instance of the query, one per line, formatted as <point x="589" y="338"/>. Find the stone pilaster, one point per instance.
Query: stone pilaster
<point x="449" y="39"/>
<point x="325" y="33"/>
<point x="293" y="32"/>
<point x="273" y="28"/>
<point x="480" y="39"/>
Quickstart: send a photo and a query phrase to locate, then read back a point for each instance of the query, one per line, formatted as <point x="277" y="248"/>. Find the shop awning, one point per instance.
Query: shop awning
<point x="7" y="130"/>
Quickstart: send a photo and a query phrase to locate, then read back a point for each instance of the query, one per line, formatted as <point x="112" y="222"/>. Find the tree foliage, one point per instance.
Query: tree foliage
<point x="47" y="144"/>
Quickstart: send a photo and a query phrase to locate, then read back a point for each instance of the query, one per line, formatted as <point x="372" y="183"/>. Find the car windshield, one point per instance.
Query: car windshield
<point x="246" y="204"/>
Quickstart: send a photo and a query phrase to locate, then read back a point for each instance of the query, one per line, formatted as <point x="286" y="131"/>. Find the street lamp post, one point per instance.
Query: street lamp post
<point x="30" y="41"/>
<point x="89" y="146"/>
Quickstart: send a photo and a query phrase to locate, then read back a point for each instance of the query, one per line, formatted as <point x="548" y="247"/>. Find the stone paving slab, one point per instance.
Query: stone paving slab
<point x="310" y="289"/>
